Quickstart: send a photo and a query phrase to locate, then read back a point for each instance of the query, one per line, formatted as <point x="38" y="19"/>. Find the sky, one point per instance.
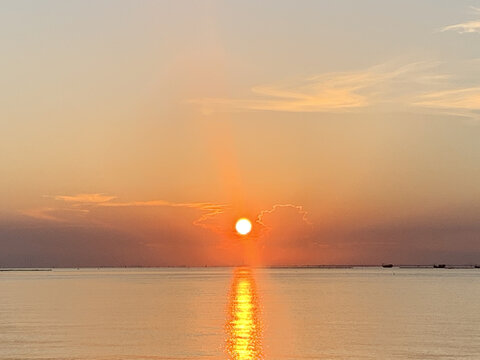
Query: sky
<point x="137" y="133"/>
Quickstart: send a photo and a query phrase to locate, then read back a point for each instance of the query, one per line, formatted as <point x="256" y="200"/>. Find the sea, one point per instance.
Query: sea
<point x="240" y="313"/>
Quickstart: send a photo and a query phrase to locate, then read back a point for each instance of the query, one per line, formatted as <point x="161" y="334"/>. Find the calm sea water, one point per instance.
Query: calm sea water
<point x="240" y="314"/>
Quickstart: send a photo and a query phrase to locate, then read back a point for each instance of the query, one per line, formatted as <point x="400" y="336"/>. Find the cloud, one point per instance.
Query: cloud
<point x="424" y="86"/>
<point x="464" y="28"/>
<point x="328" y="92"/>
<point x="85" y="202"/>
<point x="85" y="198"/>
<point x="209" y="210"/>
<point x="461" y="102"/>
<point x="467" y="98"/>
<point x="467" y="27"/>
<point x="298" y="208"/>
<point x="214" y="217"/>
<point x="42" y="213"/>
<point x="288" y="235"/>
<point x="54" y="214"/>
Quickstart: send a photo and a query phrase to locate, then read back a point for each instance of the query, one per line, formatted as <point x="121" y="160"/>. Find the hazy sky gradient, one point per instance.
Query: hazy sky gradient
<point x="136" y="133"/>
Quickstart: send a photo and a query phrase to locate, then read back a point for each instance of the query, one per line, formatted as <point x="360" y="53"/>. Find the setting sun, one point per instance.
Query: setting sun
<point x="243" y="226"/>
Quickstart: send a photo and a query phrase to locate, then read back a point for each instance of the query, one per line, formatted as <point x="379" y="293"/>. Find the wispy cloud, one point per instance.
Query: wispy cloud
<point x="85" y="198"/>
<point x="53" y="214"/>
<point x="465" y="27"/>
<point x="214" y="217"/>
<point x="298" y="208"/>
<point x="466" y="99"/>
<point x="86" y="202"/>
<point x="328" y="92"/>
<point x="209" y="210"/>
<point x="42" y="213"/>
<point x="416" y="87"/>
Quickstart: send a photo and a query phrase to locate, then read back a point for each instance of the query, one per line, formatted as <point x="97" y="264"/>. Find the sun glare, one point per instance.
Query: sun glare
<point x="243" y="226"/>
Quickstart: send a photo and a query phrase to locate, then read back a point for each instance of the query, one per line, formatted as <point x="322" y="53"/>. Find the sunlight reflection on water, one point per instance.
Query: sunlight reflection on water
<point x="244" y="329"/>
<point x="208" y="314"/>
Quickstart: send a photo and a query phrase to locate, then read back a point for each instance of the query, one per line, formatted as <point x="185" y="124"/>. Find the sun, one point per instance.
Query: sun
<point x="243" y="226"/>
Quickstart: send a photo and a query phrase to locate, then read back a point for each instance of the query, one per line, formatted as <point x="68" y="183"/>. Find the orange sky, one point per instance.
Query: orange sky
<point x="137" y="133"/>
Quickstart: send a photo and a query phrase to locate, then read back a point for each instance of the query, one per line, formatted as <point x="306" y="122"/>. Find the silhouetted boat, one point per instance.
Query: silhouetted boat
<point x="387" y="265"/>
<point x="439" y="266"/>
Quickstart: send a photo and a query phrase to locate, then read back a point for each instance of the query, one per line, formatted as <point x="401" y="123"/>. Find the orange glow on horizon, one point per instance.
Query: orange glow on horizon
<point x="244" y="332"/>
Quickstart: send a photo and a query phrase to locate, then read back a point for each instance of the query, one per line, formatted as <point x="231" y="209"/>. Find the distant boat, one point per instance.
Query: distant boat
<point x="477" y="266"/>
<point x="387" y="265"/>
<point x="439" y="266"/>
